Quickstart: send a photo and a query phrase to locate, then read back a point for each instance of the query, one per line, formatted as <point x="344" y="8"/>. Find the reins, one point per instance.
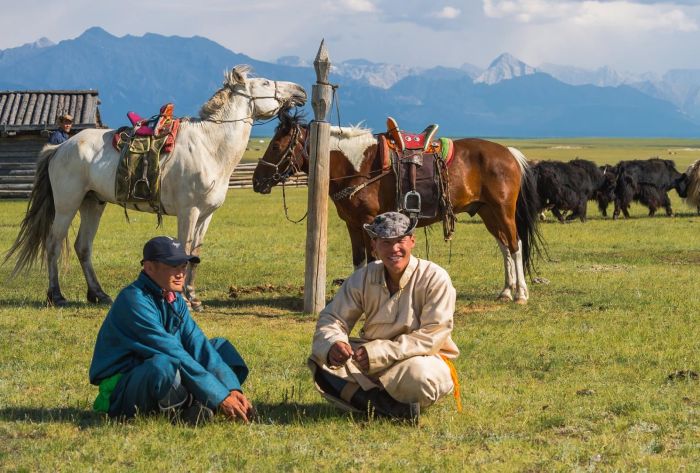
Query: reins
<point x="349" y="192"/>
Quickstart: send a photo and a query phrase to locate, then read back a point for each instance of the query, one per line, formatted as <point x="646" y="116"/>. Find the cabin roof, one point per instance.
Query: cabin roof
<point x="36" y="110"/>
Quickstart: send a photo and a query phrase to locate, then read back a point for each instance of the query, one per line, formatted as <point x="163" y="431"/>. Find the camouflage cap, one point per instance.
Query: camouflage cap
<point x="390" y="225"/>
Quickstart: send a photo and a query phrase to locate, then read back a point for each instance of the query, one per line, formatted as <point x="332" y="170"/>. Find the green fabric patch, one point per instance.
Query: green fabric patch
<point x="107" y="385"/>
<point x="445" y="148"/>
<point x="138" y="173"/>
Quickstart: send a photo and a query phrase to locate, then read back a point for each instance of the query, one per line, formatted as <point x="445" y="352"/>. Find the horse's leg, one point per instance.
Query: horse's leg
<point x="186" y="226"/>
<point x="522" y="293"/>
<point x="500" y="222"/>
<point x="368" y="247"/>
<point x="357" y="242"/>
<point x="195" y="249"/>
<point x="509" y="270"/>
<point x="489" y="219"/>
<point x="57" y="236"/>
<point x="91" y="211"/>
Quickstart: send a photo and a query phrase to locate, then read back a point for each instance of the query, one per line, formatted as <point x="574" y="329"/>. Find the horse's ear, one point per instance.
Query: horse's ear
<point x="238" y="74"/>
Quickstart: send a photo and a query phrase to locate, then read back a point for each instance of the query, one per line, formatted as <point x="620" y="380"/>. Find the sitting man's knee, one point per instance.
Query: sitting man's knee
<point x="162" y="370"/>
<point x="424" y="380"/>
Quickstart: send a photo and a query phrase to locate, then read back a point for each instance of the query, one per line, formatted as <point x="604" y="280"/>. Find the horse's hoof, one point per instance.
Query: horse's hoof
<point x="521" y="301"/>
<point x="504" y="298"/>
<point x="98" y="298"/>
<point x="56" y="300"/>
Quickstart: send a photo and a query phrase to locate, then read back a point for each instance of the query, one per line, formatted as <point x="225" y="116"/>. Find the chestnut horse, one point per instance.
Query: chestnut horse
<point x="485" y="178"/>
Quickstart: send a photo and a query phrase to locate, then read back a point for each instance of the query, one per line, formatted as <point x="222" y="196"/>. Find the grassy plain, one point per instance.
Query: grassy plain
<point x="595" y="373"/>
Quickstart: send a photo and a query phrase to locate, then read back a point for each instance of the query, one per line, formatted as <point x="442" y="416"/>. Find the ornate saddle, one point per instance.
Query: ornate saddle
<point x="419" y="162"/>
<point x="140" y="146"/>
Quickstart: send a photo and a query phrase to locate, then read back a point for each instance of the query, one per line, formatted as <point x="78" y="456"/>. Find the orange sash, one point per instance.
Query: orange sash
<point x="455" y="381"/>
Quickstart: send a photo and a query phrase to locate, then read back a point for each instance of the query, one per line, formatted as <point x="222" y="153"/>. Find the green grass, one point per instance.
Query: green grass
<point x="576" y="380"/>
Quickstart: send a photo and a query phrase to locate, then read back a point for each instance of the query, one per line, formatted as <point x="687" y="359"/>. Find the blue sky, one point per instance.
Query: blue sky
<point x="636" y="36"/>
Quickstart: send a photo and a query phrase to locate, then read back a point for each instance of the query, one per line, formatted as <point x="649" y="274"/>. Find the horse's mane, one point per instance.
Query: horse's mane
<point x="289" y="119"/>
<point x="236" y="76"/>
<point x="352" y="142"/>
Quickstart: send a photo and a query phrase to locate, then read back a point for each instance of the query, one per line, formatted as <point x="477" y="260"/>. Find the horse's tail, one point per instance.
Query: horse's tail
<point x="693" y="173"/>
<point x="526" y="213"/>
<point x="34" y="230"/>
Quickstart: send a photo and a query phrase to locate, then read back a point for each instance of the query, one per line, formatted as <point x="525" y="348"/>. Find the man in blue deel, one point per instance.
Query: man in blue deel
<point x="151" y="356"/>
<point x="65" y="122"/>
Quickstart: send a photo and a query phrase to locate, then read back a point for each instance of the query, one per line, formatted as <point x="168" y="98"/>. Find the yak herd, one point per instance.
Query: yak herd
<point x="566" y="188"/>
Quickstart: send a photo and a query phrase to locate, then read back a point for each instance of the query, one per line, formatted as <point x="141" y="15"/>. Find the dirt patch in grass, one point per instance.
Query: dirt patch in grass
<point x="603" y="268"/>
<point x="235" y="291"/>
<point x="680" y="258"/>
<point x="476" y="308"/>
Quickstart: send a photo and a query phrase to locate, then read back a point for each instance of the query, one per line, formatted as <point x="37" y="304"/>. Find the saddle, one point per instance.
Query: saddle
<point x="140" y="147"/>
<point x="420" y="165"/>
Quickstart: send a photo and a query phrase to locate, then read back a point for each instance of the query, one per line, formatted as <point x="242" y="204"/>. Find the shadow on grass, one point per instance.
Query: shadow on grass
<point x="17" y="302"/>
<point x="35" y="304"/>
<point x="295" y="413"/>
<point x="290" y="303"/>
<point x="80" y="417"/>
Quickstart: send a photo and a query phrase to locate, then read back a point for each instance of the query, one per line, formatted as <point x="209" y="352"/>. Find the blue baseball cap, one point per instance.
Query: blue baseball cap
<point x="166" y="250"/>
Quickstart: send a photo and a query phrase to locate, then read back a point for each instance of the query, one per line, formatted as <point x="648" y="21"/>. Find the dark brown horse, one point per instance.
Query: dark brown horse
<point x="485" y="178"/>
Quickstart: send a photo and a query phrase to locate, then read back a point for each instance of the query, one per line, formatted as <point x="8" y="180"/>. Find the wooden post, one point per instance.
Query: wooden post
<point x="319" y="156"/>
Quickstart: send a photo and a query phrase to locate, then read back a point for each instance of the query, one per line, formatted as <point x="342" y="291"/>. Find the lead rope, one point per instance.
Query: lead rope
<point x="284" y="195"/>
<point x="335" y="100"/>
<point x="427" y="243"/>
<point x="453" y="374"/>
<point x="284" y="204"/>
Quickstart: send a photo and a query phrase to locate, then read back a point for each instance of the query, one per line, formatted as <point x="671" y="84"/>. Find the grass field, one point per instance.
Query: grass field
<point x="597" y="372"/>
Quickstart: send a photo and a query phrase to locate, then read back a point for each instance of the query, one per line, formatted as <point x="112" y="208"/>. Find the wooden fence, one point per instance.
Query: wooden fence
<point x="17" y="177"/>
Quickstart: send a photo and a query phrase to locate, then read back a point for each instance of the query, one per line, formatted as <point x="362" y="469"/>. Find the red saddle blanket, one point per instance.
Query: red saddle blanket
<point x="158" y="126"/>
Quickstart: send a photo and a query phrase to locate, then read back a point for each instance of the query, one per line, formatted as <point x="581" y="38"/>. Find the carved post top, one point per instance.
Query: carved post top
<point x="322" y="64"/>
<point x="322" y="92"/>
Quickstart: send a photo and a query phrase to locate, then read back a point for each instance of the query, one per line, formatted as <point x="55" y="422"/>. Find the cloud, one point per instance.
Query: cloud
<point x="448" y="13"/>
<point x="359" y="6"/>
<point x="622" y="14"/>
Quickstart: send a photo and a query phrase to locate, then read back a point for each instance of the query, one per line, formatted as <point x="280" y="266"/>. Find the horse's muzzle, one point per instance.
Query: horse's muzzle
<point x="261" y="188"/>
<point x="299" y="98"/>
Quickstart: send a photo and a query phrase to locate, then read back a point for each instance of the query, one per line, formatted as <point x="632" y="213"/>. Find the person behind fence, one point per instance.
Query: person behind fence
<point x="65" y="122"/>
<point x="151" y="356"/>
<point x="401" y="361"/>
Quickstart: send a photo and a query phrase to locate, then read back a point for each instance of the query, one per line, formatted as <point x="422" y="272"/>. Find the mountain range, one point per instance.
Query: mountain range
<point x="508" y="98"/>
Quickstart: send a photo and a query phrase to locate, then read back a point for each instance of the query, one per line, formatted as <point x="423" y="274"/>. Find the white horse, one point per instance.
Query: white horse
<point x="79" y="175"/>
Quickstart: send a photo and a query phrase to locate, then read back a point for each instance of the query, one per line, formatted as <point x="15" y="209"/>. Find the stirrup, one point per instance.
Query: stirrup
<point x="141" y="196"/>
<point x="411" y="202"/>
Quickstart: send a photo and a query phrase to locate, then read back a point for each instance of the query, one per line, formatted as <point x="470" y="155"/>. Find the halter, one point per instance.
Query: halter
<point x="251" y="98"/>
<point x="287" y="159"/>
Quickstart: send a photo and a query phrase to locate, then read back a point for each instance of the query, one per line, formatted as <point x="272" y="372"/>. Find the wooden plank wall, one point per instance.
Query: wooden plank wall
<point x="18" y="164"/>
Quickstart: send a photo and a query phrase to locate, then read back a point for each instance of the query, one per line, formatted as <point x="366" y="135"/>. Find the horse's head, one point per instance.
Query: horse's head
<point x="285" y="155"/>
<point x="243" y="98"/>
<point x="267" y="97"/>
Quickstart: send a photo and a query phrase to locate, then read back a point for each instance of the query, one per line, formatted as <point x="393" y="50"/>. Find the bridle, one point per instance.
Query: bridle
<point x="251" y="100"/>
<point x="287" y="166"/>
